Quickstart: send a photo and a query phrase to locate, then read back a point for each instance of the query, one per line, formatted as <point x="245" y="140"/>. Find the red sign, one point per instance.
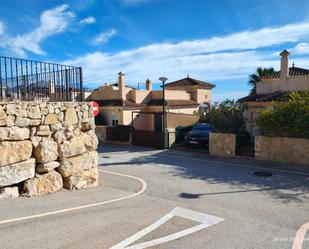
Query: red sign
<point x="95" y="108"/>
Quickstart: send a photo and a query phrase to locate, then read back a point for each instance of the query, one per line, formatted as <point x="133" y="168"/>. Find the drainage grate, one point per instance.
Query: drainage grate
<point x="106" y="156"/>
<point x="263" y="173"/>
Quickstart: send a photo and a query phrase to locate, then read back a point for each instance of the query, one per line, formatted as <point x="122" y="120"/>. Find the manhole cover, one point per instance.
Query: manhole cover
<point x="262" y="173"/>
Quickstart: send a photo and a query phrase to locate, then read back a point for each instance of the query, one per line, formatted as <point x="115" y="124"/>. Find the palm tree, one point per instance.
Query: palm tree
<point x="256" y="77"/>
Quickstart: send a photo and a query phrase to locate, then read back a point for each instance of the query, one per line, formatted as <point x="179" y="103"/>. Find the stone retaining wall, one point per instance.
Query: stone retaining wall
<point x="282" y="149"/>
<point x="222" y="144"/>
<point x="46" y="146"/>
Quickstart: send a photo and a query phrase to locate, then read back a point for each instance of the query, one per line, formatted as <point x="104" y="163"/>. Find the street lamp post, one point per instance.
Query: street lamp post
<point x="163" y="79"/>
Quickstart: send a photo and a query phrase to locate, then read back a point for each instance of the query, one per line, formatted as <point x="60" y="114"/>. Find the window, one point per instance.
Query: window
<point x="114" y="122"/>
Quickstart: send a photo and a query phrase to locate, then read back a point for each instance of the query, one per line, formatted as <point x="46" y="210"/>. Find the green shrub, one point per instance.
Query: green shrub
<point x="226" y="117"/>
<point x="291" y="119"/>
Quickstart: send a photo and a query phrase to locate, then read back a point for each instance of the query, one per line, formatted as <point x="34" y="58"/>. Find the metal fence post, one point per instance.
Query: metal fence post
<point x="82" y="97"/>
<point x="67" y="85"/>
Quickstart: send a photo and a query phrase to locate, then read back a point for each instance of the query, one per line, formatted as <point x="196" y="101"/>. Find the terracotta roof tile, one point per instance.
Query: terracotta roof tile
<point x="293" y="71"/>
<point x="190" y="82"/>
<point x="275" y="96"/>
<point x="159" y="102"/>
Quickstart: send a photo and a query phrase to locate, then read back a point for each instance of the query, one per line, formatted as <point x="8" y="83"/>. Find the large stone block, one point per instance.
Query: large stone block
<point x="86" y="179"/>
<point x="12" y="152"/>
<point x="17" y="172"/>
<point x="77" y="145"/>
<point x="34" y="112"/>
<point x="73" y="147"/>
<point x="9" y="192"/>
<point x="22" y="122"/>
<point x="46" y="151"/>
<point x="46" y="167"/>
<point x="35" y="122"/>
<point x="51" y="119"/>
<point x="43" y="184"/>
<point x="74" y="165"/>
<point x="11" y="109"/>
<point x="2" y="113"/>
<point x="90" y="140"/>
<point x="70" y="117"/>
<point x="14" y="133"/>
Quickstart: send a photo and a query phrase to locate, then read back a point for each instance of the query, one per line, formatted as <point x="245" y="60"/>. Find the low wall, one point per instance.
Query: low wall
<point x="100" y="131"/>
<point x="102" y="135"/>
<point x="46" y="146"/>
<point x="282" y="149"/>
<point x="222" y="144"/>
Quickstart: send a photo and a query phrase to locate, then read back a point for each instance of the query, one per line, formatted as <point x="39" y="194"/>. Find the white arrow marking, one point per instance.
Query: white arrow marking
<point x="205" y="220"/>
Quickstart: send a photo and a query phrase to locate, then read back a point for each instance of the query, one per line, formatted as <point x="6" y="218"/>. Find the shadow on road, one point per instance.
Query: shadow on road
<point x="216" y="170"/>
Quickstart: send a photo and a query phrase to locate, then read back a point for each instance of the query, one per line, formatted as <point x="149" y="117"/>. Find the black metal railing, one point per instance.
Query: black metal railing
<point x="35" y="80"/>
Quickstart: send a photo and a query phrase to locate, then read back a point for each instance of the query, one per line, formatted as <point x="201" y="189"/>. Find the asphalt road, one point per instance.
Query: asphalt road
<point x="247" y="211"/>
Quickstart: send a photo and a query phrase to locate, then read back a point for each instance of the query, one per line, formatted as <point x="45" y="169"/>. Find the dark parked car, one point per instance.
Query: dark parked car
<point x="199" y="135"/>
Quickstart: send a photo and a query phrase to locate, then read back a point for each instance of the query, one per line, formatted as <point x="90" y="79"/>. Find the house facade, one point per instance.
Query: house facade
<point x="124" y="105"/>
<point x="272" y="88"/>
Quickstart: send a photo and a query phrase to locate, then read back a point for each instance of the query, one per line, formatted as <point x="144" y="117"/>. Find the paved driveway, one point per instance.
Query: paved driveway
<point x="175" y="200"/>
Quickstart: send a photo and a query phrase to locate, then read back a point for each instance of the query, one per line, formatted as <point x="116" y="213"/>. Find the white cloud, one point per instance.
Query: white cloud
<point x="104" y="37"/>
<point x="217" y="58"/>
<point x="88" y="20"/>
<point x="300" y="49"/>
<point x="52" y="21"/>
<point x="229" y="57"/>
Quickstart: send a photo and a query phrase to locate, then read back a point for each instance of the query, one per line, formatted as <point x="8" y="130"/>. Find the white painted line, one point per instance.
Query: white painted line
<point x="143" y="189"/>
<point x="240" y="165"/>
<point x="300" y="236"/>
<point x="205" y="220"/>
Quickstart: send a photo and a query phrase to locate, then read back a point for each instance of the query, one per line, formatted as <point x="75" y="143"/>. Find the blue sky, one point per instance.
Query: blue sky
<point x="217" y="41"/>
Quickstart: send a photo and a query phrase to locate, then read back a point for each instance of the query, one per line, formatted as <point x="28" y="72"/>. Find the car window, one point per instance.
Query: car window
<point x="202" y="128"/>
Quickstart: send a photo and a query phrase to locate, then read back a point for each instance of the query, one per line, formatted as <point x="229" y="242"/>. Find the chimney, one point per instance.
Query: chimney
<point x="121" y="85"/>
<point x="284" y="70"/>
<point x="148" y="85"/>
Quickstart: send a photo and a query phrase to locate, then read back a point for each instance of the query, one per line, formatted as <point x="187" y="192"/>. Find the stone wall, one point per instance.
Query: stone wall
<point x="282" y="149"/>
<point x="45" y="147"/>
<point x="222" y="144"/>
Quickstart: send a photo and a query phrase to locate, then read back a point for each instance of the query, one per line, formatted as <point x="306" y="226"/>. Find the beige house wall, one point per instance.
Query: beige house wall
<point x="109" y="92"/>
<point x="294" y="83"/>
<point x="203" y="95"/>
<point x="146" y="121"/>
<point x="174" y="120"/>
<point x="140" y="96"/>
<point x="110" y="114"/>
<point x="171" y="95"/>
<point x="282" y="149"/>
<point x="140" y="121"/>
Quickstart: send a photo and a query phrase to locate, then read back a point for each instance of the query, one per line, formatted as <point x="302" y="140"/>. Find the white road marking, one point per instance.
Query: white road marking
<point x="205" y="220"/>
<point x="300" y="236"/>
<point x="143" y="189"/>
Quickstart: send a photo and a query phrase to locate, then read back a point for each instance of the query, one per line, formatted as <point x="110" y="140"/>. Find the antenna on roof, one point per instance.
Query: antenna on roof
<point x="293" y="64"/>
<point x="138" y="85"/>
